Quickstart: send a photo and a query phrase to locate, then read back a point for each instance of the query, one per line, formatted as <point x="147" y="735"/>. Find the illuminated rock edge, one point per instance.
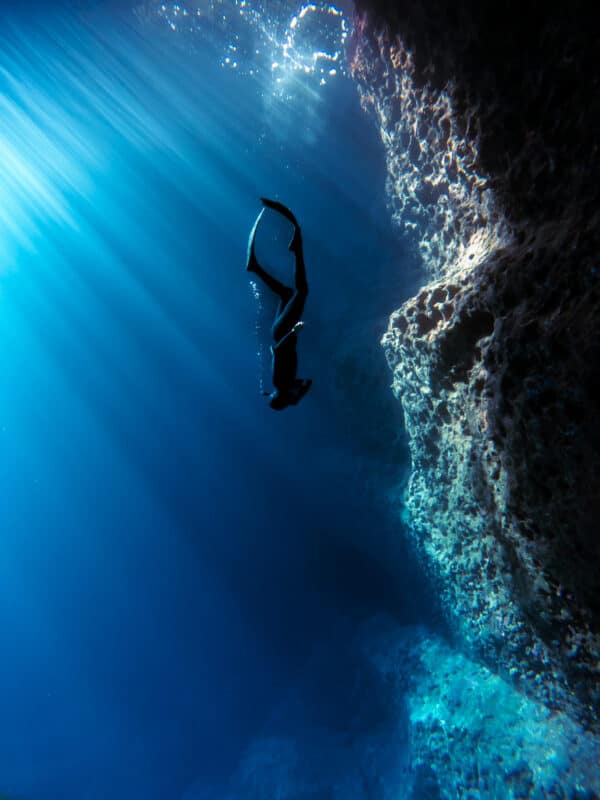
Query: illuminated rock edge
<point x="494" y="360"/>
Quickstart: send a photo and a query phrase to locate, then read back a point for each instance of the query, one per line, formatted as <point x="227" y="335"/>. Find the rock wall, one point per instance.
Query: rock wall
<point x="487" y="118"/>
<point x="470" y="733"/>
<point x="423" y="722"/>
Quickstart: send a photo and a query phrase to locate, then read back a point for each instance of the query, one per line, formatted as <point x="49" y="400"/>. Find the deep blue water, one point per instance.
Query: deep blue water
<point x="172" y="552"/>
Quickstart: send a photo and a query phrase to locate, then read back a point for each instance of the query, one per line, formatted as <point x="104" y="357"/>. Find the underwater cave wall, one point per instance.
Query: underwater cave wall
<point x="488" y="114"/>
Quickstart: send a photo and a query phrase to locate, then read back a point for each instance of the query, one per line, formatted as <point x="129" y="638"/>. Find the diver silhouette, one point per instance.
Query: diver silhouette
<point x="288" y="389"/>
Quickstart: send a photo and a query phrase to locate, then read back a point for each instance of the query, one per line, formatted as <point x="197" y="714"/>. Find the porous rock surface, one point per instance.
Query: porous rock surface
<point x="423" y="722"/>
<point x="486" y="118"/>
<point x="498" y="486"/>
<point x="471" y="734"/>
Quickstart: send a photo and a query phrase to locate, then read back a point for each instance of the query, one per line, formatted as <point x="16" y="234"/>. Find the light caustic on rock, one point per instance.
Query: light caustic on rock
<point x="439" y="196"/>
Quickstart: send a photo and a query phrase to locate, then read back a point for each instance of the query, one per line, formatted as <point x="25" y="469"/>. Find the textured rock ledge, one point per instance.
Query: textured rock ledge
<point x="498" y="491"/>
<point x="493" y="177"/>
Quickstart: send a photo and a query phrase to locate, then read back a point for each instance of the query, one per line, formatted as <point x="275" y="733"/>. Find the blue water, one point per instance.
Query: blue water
<point x="173" y="553"/>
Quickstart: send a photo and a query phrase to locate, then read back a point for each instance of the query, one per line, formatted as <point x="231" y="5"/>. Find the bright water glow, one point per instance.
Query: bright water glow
<point x="172" y="552"/>
<point x="309" y="40"/>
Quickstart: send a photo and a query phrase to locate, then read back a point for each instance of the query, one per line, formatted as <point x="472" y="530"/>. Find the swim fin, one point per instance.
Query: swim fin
<point x="285" y="211"/>
<point x="281" y="209"/>
<point x="251" y="260"/>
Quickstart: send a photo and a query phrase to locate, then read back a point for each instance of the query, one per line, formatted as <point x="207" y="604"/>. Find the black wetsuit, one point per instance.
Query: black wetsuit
<point x="288" y="388"/>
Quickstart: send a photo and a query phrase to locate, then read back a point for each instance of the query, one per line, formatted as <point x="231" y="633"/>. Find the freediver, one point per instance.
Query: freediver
<point x="288" y="389"/>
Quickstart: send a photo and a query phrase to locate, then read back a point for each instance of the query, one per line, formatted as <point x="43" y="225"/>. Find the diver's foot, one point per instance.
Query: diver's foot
<point x="251" y="263"/>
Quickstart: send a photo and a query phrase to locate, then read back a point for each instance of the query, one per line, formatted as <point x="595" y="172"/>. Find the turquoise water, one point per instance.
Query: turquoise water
<point x="175" y="557"/>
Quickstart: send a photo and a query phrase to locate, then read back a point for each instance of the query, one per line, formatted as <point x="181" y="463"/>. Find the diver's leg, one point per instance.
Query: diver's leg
<point x="281" y="290"/>
<point x="300" y="281"/>
<point x="292" y="305"/>
<point x="289" y="316"/>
